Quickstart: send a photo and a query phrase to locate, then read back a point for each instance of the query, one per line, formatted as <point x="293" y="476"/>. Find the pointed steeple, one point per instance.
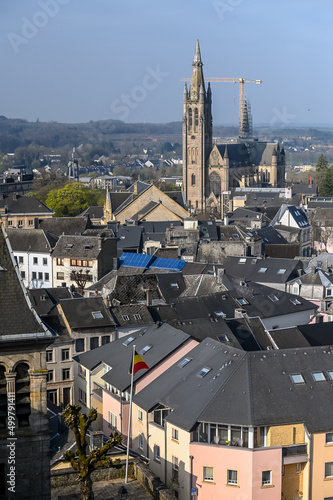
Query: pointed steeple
<point x="197" y="79"/>
<point x="185" y="92"/>
<point x="226" y="154"/>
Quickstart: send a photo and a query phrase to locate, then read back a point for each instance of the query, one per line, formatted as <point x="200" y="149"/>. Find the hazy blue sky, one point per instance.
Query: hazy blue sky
<point x="81" y="60"/>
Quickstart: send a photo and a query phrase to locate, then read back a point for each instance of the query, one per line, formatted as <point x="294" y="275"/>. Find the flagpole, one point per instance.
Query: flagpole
<point x="129" y="416"/>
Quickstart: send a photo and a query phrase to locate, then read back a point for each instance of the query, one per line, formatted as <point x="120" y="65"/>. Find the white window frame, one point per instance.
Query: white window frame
<point x="175" y="434"/>
<point x="140" y="415"/>
<point x="230" y="480"/>
<point x="266" y="482"/>
<point x="208" y="478"/>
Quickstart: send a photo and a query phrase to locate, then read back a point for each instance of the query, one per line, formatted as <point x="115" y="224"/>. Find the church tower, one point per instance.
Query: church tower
<point x="197" y="136"/>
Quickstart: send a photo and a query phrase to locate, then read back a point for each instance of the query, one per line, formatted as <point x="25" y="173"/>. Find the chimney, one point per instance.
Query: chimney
<point x="115" y="263"/>
<point x="148" y="296"/>
<point x="239" y="313"/>
<point x="15" y="196"/>
<point x="220" y="273"/>
<point x="135" y="191"/>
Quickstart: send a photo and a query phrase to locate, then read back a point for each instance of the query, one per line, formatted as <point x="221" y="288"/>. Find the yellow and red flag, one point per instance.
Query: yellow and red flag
<point x="139" y="364"/>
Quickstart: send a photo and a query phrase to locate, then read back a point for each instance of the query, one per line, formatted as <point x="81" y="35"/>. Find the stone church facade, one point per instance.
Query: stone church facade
<point x="211" y="171"/>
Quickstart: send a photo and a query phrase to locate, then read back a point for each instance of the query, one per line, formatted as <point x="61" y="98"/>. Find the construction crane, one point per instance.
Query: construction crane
<point x="241" y="81"/>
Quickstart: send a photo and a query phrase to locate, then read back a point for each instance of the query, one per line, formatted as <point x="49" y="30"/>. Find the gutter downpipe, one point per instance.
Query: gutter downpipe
<point x="311" y="466"/>
<point x="191" y="476"/>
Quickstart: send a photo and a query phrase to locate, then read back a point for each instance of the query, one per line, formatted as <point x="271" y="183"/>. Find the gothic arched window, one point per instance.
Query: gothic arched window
<point x="196" y="119"/>
<point x="192" y="180"/>
<point x="22" y="390"/>
<point x="190" y="119"/>
<point x="215" y="184"/>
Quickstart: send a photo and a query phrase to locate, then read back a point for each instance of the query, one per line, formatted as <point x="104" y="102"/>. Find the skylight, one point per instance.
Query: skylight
<point x="318" y="376"/>
<point x="296" y="302"/>
<point x="125" y="317"/>
<point x="203" y="372"/>
<point x="97" y="315"/>
<point x="128" y="341"/>
<point x="184" y="362"/>
<point x="262" y="270"/>
<point x="223" y="338"/>
<point x="330" y="374"/>
<point x="220" y="314"/>
<point x="273" y="298"/>
<point x="69" y="245"/>
<point x="145" y="349"/>
<point x="242" y="301"/>
<point x="235" y="235"/>
<point x="281" y="271"/>
<point x="174" y="286"/>
<point x="241" y="261"/>
<point x="297" y="378"/>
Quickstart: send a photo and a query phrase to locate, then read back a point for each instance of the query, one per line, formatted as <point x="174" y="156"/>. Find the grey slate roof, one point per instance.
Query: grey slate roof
<point x="265" y="393"/>
<point x="45" y="300"/>
<point x="77" y="247"/>
<point x="250" y="269"/>
<point x="17" y="204"/>
<point x="16" y="315"/>
<point x="288" y="338"/>
<point x="247" y="154"/>
<point x="31" y="240"/>
<point x="78" y="313"/>
<point x="163" y="339"/>
<point x="170" y="285"/>
<point x="65" y="225"/>
<point x="138" y="314"/>
<point x="270" y="236"/>
<point x="93" y="212"/>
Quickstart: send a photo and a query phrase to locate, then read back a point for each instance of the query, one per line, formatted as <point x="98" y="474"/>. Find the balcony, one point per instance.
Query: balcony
<point x="294" y="454"/>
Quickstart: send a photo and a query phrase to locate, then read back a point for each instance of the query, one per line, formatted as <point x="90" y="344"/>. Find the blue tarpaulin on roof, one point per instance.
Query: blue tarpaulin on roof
<point x="140" y="260"/>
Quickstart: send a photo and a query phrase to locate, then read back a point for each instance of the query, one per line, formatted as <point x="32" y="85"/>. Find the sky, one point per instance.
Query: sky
<point x="80" y="60"/>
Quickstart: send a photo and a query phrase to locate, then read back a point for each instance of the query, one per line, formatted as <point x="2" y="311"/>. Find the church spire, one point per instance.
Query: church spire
<point x="197" y="79"/>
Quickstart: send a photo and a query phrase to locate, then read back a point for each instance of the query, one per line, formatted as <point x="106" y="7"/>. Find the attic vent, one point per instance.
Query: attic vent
<point x="43" y="298"/>
<point x="87" y="247"/>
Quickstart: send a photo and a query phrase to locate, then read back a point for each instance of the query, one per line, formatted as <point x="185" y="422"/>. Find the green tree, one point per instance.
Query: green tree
<point x="321" y="170"/>
<point x="72" y="199"/>
<point x="326" y="185"/>
<point x="82" y="463"/>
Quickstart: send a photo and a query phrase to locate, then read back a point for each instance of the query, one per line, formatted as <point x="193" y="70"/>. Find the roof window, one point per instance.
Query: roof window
<point x="242" y="301"/>
<point x="330" y="374"/>
<point x="223" y="338"/>
<point x="281" y="271"/>
<point x="241" y="261"/>
<point x="184" y="362"/>
<point x="235" y="235"/>
<point x="273" y="298"/>
<point x="220" y="314"/>
<point x="97" y="315"/>
<point x="262" y="270"/>
<point x="174" y="286"/>
<point x="318" y="376"/>
<point x="128" y="341"/>
<point x="297" y="378"/>
<point x="203" y="371"/>
<point x="296" y="302"/>
<point x="69" y="245"/>
<point x="145" y="349"/>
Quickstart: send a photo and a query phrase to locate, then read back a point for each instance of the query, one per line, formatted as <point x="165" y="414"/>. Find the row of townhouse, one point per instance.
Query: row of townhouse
<point x="44" y="260"/>
<point x="215" y="421"/>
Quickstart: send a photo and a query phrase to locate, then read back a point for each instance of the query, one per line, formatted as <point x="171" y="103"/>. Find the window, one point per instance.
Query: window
<point x="330" y="374"/>
<point x="60" y="262"/>
<point x="94" y="342"/>
<point x="106" y="339"/>
<point x="192" y="180"/>
<point x="125" y="317"/>
<point x="208" y="474"/>
<point x="175" y="434"/>
<point x="242" y="261"/>
<point x="140" y="415"/>
<point x="82" y="396"/>
<point x="220" y="314"/>
<point x="34" y="275"/>
<point x="232" y="476"/>
<point x="20" y="259"/>
<point x="97" y="315"/>
<point x="175" y="469"/>
<point x="160" y="414"/>
<point x="329" y="469"/>
<point x="145" y="349"/>
<point x="262" y="270"/>
<point x="66" y="374"/>
<point x="298" y="468"/>
<point x="35" y="260"/>
<point x="157" y="455"/>
<point x="297" y="378"/>
<point x="242" y="301"/>
<point x="281" y="271"/>
<point x="266" y="477"/>
<point x="10" y="223"/>
<point x="53" y="396"/>
<point x="273" y="298"/>
<point x="64" y="354"/>
<point x="128" y="341"/>
<point x="318" y="376"/>
<point x="79" y="345"/>
<point x="40" y="276"/>
<point x="23" y="275"/>
<point x="112" y="420"/>
<point x="235" y="235"/>
<point x="31" y="222"/>
<point x="296" y="302"/>
<point x="49" y="376"/>
<point x="203" y="371"/>
<point x="329" y="438"/>
<point x="46" y="277"/>
<point x="174" y="286"/>
<point x="141" y="441"/>
<point x="44" y="261"/>
<point x="184" y="362"/>
<point x="60" y="276"/>
<point x="20" y="223"/>
<point x="49" y="356"/>
<point x="328" y="292"/>
<point x="223" y="337"/>
<point x="137" y="316"/>
<point x="82" y="371"/>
